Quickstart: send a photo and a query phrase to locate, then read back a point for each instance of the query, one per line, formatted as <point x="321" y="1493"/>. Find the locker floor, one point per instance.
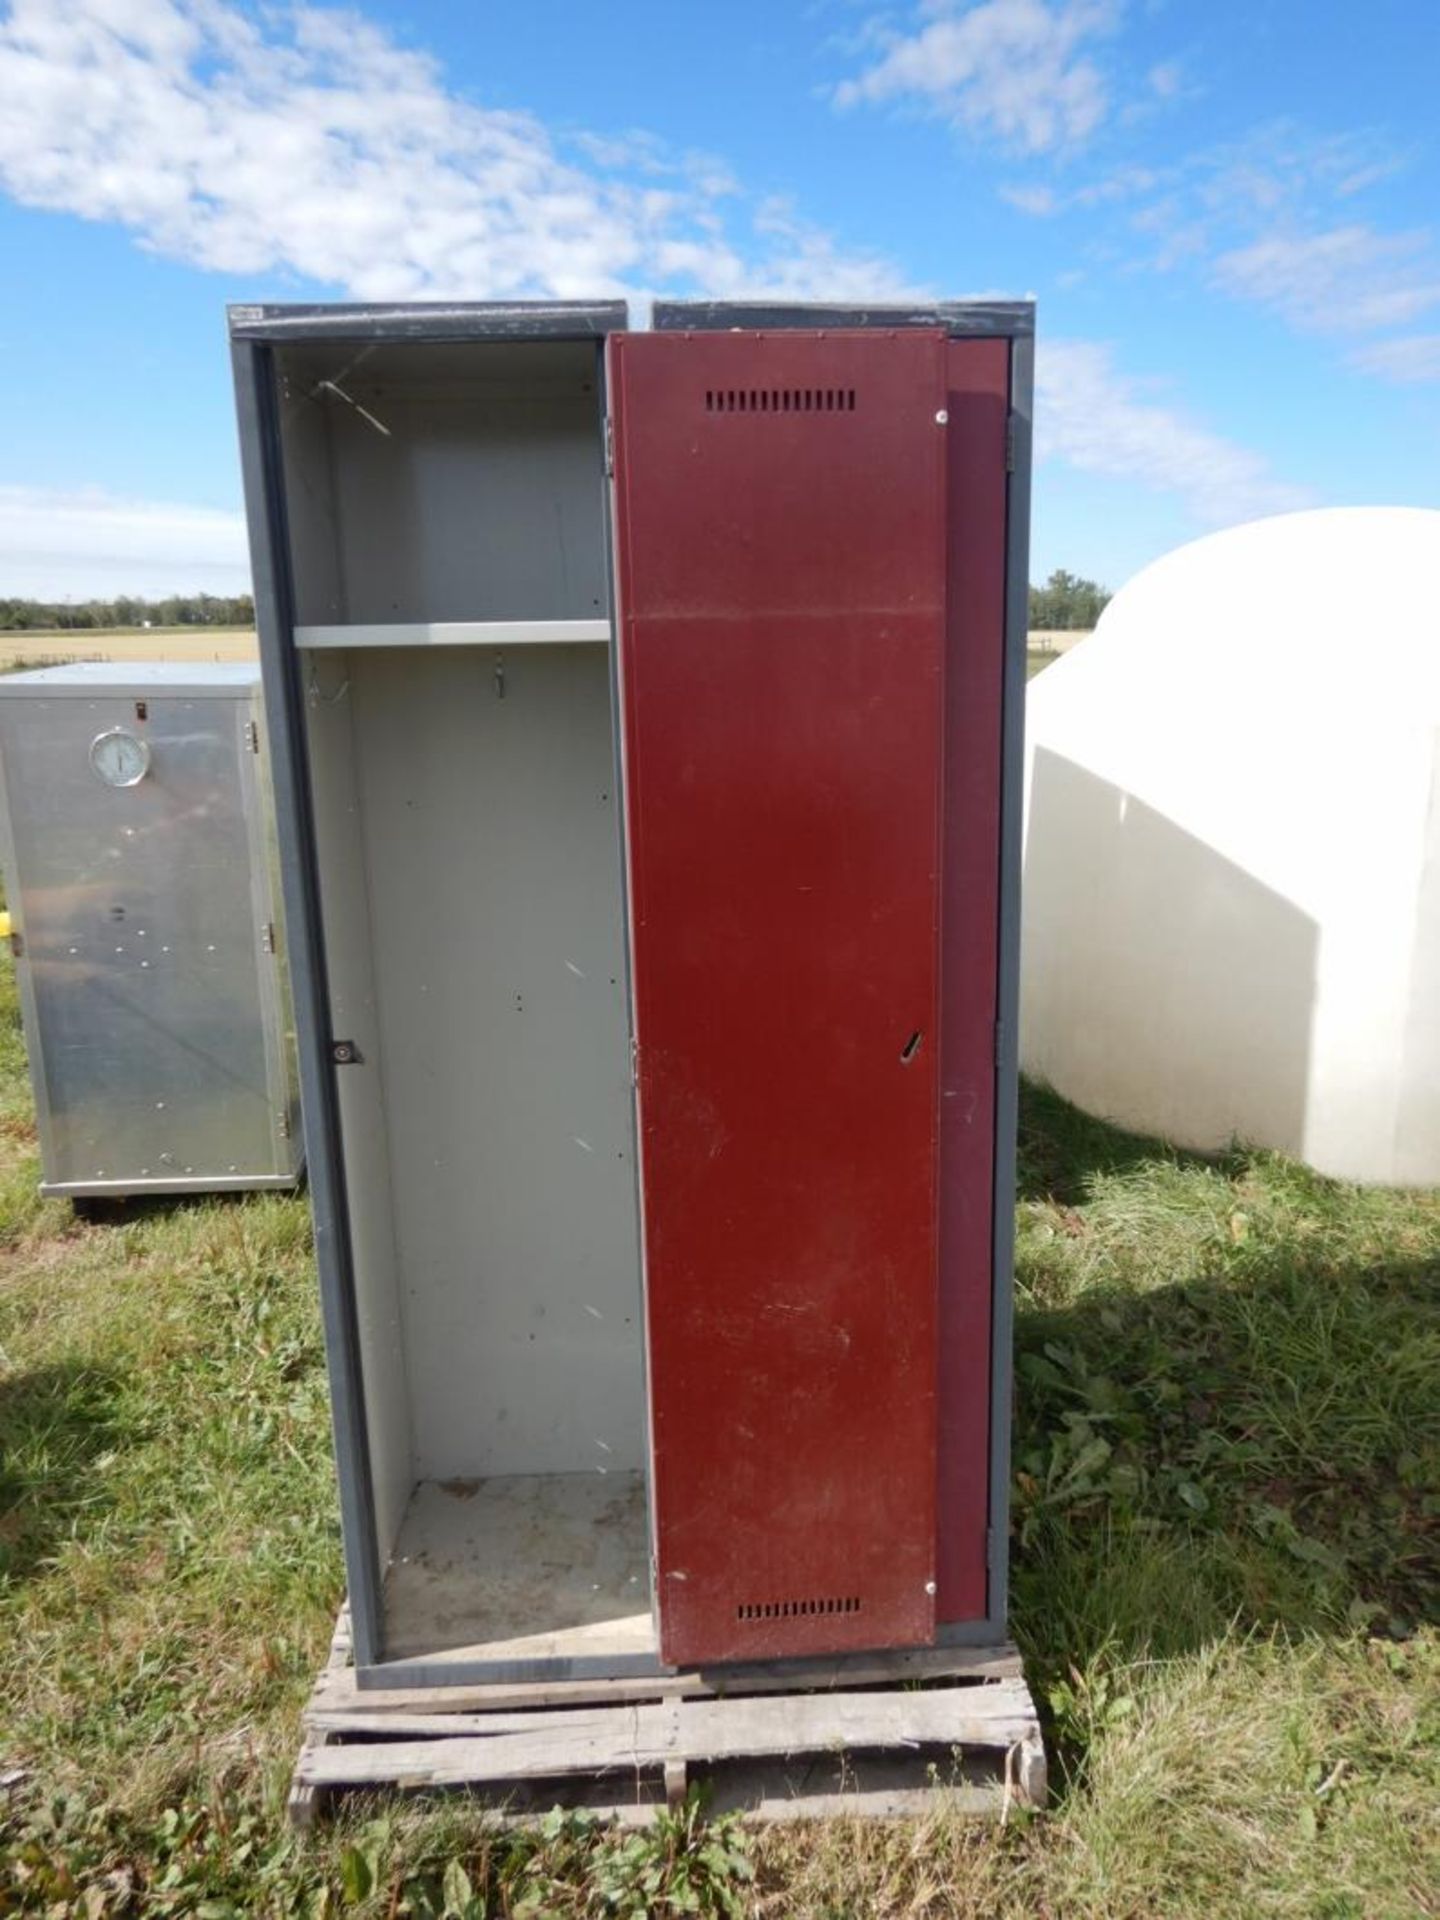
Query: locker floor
<point x="521" y="1567"/>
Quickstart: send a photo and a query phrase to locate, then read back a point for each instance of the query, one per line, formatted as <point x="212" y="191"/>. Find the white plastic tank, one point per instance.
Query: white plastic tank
<point x="1232" y="856"/>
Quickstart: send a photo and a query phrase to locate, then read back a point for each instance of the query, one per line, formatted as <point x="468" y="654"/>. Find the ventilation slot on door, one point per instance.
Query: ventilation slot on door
<point x="794" y="1609"/>
<point x="780" y="400"/>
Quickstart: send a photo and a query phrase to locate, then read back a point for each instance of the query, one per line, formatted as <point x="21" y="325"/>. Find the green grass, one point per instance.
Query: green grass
<point x="1225" y="1572"/>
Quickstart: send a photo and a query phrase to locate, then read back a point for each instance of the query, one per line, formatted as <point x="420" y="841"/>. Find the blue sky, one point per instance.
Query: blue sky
<point x="1228" y="213"/>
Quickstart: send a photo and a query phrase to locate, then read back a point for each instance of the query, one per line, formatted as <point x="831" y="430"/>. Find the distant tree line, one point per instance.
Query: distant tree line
<point x="128" y="610"/>
<point x="1066" y="602"/>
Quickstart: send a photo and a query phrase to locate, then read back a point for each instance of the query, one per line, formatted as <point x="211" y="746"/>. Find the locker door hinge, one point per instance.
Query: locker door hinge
<point x="1010" y="443"/>
<point x="634" y="1063"/>
<point x="284" y="1126"/>
<point x="252" y="736"/>
<point x="609" y="447"/>
<point x="267" y="936"/>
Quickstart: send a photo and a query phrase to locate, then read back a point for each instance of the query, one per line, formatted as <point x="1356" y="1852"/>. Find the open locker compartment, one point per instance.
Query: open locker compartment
<point x="471" y="896"/>
<point x="448" y="547"/>
<point x="446" y="692"/>
<point x="445" y="492"/>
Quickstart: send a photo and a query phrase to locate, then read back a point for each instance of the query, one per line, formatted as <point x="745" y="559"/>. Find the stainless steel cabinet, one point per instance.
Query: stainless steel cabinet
<point x="139" y="859"/>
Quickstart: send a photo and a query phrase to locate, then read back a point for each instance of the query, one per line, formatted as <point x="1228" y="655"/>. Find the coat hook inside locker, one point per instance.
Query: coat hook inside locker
<point x="317" y="695"/>
<point x="333" y="386"/>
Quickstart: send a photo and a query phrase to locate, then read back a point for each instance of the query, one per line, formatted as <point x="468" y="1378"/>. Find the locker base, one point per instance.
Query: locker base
<point x="519" y="1568"/>
<point x="967" y="1739"/>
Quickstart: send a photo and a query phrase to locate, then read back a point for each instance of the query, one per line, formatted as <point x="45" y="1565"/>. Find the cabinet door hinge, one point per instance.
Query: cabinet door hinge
<point x="267" y="936"/>
<point x="284" y="1127"/>
<point x="609" y="447"/>
<point x="252" y="736"/>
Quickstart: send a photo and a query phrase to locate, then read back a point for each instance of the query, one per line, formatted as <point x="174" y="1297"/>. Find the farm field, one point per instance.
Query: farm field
<point x="206" y="643"/>
<point x="1225" y="1561"/>
<point x="1055" y="640"/>
<point x="50" y="646"/>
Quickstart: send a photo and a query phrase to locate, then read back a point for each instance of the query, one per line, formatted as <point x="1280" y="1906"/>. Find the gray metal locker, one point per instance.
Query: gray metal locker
<point x="429" y="500"/>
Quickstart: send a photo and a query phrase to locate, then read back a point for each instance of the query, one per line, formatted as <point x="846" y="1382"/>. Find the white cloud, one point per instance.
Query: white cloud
<point x="1262" y="219"/>
<point x="1278" y="181"/>
<point x="1346" y="280"/>
<point x="1121" y="183"/>
<point x="1015" y="69"/>
<point x="1100" y="420"/>
<point x="1282" y="169"/>
<point x="78" y="545"/>
<point x="1039" y="201"/>
<point x="306" y="140"/>
<point x="1409" y="360"/>
<point x="1269" y="219"/>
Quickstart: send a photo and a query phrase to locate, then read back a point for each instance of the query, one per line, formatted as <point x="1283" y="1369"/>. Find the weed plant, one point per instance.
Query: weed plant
<point x="1227" y="1456"/>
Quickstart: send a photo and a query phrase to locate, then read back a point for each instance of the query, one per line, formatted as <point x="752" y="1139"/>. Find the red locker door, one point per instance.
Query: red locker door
<point x="781" y="559"/>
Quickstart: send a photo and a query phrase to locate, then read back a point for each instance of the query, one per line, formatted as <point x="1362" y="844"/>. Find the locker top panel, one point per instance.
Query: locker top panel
<point x="979" y="319"/>
<point x="432" y="320"/>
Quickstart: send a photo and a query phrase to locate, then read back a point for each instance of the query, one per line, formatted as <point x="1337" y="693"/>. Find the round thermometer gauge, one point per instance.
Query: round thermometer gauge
<point x="121" y="759"/>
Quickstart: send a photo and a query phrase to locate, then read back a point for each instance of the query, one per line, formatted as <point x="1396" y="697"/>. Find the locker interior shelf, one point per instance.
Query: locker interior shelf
<point x="521" y="1567"/>
<point x="453" y="633"/>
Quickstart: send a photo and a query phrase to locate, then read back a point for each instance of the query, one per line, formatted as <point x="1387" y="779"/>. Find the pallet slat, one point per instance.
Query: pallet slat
<point x="997" y="1697"/>
<point x="338" y="1687"/>
<point x="305" y="1801"/>
<point x="998" y="1715"/>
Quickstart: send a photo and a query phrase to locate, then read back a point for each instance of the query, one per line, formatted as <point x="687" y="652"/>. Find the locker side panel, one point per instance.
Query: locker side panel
<point x="781" y="581"/>
<point x="277" y="1010"/>
<point x="978" y="380"/>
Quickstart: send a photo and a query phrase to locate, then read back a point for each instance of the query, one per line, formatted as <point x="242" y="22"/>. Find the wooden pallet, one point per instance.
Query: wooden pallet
<point x="884" y="1734"/>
